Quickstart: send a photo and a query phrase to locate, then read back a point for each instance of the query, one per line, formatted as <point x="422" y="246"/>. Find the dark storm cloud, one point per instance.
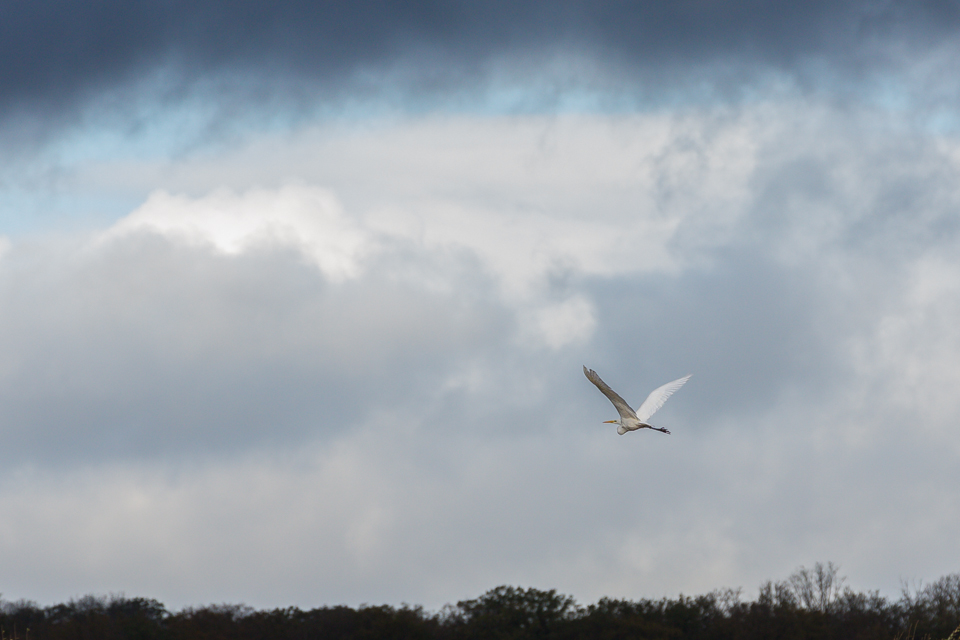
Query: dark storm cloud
<point x="54" y="53"/>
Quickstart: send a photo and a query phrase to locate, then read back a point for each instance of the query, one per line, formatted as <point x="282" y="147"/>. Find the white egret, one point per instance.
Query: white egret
<point x="631" y="420"/>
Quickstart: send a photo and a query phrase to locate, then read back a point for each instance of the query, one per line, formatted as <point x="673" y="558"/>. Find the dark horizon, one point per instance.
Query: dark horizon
<point x="811" y="603"/>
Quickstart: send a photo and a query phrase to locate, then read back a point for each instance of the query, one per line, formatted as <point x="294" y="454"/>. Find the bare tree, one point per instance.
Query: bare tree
<point x="816" y="589"/>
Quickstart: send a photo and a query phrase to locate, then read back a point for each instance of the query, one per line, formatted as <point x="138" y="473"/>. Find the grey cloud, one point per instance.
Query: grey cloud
<point x="746" y="328"/>
<point x="803" y="288"/>
<point x="60" y="52"/>
<point x="254" y="347"/>
<point x="150" y="348"/>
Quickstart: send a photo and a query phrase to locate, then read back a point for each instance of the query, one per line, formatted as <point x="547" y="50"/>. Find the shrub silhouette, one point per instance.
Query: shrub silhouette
<point x="808" y="604"/>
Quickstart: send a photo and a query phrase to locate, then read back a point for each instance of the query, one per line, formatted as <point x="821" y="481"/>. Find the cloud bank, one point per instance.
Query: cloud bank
<point x="63" y="62"/>
<point x="341" y="363"/>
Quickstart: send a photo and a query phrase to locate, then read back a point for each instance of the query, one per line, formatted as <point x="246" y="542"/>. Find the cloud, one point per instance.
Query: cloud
<point x="290" y="52"/>
<point x="515" y="191"/>
<point x="346" y="361"/>
<point x="309" y="219"/>
<point x="567" y="322"/>
<point x="701" y="241"/>
<point x="145" y="346"/>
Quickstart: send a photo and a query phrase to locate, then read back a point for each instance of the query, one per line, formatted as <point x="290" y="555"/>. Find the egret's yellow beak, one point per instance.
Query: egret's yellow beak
<point x="609" y="421"/>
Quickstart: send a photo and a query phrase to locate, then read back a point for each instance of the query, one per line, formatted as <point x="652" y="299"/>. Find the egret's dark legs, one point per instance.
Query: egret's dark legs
<point x="644" y="425"/>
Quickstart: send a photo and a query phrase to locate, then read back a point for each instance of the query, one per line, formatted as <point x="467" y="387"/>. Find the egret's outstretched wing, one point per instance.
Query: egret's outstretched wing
<point x="657" y="397"/>
<point x="622" y="407"/>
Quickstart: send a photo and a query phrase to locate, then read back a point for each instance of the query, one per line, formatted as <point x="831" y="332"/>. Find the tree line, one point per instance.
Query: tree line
<point x="811" y="603"/>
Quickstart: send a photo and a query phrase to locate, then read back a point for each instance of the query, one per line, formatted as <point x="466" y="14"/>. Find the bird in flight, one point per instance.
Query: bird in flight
<point x="631" y="420"/>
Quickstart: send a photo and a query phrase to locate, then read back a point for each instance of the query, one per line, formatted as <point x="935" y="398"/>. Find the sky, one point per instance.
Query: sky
<point x="295" y="297"/>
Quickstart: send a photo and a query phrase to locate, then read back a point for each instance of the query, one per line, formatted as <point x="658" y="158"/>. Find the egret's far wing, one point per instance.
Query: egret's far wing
<point x="622" y="407"/>
<point x="657" y="397"/>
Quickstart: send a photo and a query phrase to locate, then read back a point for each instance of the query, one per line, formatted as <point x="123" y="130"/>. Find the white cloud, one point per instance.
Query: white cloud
<point x="558" y="325"/>
<point x="528" y="195"/>
<point x="305" y="218"/>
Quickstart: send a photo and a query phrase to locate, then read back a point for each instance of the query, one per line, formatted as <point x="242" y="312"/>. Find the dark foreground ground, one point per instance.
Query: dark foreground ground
<point x="810" y="604"/>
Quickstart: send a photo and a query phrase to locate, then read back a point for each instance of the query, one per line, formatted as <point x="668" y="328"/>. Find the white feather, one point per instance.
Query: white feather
<point x="657" y="397"/>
